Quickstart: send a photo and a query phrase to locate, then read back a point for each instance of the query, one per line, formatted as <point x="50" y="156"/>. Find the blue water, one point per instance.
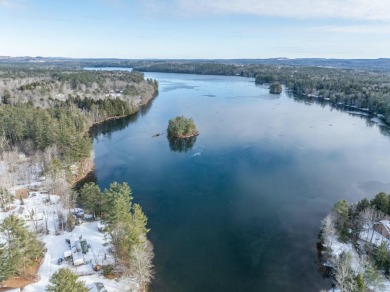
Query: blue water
<point x="239" y="208"/>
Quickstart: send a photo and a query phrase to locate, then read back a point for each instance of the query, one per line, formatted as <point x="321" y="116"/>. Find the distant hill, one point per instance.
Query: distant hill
<point x="382" y="64"/>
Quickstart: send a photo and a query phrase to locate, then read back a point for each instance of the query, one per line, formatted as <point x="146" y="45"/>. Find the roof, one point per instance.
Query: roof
<point x="385" y="223"/>
<point x="77" y="254"/>
<point x="97" y="287"/>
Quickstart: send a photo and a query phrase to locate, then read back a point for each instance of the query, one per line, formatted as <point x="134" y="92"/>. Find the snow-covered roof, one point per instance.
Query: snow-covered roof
<point x="77" y="254"/>
<point x="385" y="223"/>
<point x="97" y="287"/>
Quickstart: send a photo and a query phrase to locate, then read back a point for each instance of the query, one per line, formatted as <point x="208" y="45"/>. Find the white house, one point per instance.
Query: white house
<point x="77" y="253"/>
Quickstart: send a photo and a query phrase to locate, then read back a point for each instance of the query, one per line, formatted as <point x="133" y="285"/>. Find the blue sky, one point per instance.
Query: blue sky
<point x="195" y="28"/>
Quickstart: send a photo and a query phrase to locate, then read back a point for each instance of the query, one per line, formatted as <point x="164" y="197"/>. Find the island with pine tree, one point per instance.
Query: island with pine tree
<point x="182" y="128"/>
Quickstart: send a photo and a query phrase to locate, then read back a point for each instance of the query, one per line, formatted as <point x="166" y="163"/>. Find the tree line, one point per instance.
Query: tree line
<point x="349" y="87"/>
<point x="30" y="129"/>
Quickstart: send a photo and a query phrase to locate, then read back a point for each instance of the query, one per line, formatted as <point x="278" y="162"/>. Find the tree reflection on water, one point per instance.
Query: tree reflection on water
<point x="181" y="145"/>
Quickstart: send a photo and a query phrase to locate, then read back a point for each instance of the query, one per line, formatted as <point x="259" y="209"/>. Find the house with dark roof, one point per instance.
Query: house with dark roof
<point x="383" y="227"/>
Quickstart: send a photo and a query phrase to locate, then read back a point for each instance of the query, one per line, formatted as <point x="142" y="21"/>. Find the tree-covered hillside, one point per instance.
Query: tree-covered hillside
<point x="46" y="113"/>
<point x="42" y="87"/>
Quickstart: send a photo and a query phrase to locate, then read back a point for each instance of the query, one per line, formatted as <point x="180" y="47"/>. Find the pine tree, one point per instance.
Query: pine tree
<point x="118" y="202"/>
<point x="139" y="221"/>
<point x="340" y="211"/>
<point x="22" y="248"/>
<point x="65" y="280"/>
<point x="361" y="286"/>
<point x="119" y="219"/>
<point x="6" y="265"/>
<point x="92" y="199"/>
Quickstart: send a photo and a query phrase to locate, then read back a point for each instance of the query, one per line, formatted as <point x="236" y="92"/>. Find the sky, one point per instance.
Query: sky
<point x="195" y="29"/>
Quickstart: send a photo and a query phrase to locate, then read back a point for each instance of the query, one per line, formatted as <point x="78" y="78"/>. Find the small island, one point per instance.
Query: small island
<point x="182" y="128"/>
<point x="275" y="88"/>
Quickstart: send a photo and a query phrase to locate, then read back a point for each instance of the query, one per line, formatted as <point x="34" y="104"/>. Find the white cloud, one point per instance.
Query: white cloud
<point x="341" y="9"/>
<point x="358" y="29"/>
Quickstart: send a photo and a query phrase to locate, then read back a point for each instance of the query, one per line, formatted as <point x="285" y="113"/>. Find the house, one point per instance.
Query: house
<point x="97" y="287"/>
<point x="383" y="227"/>
<point x="77" y="252"/>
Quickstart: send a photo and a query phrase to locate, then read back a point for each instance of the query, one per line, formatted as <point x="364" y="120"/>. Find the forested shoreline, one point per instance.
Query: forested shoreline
<point x="45" y="118"/>
<point x="355" y="89"/>
<point x="42" y="109"/>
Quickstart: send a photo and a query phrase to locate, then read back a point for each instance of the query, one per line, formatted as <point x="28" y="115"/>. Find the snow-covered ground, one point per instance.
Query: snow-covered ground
<point x="56" y="245"/>
<point x="337" y="248"/>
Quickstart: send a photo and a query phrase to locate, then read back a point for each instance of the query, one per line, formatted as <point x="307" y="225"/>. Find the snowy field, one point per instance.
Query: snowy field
<point x="56" y="245"/>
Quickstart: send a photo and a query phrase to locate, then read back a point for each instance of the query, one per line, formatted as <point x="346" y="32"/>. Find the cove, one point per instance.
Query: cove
<point x="239" y="207"/>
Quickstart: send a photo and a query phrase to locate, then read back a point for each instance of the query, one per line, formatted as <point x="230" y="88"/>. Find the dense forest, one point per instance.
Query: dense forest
<point x="43" y="108"/>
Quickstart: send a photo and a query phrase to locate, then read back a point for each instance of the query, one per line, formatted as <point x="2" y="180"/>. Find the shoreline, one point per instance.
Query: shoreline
<point x="89" y="168"/>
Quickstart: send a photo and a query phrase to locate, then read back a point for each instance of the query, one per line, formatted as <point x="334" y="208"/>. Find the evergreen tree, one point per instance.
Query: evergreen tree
<point x="361" y="286"/>
<point x="181" y="127"/>
<point x="119" y="200"/>
<point x="65" y="280"/>
<point x="126" y="224"/>
<point x="139" y="221"/>
<point x="22" y="248"/>
<point x="381" y="257"/>
<point x="381" y="202"/>
<point x="92" y="198"/>
<point x="362" y="205"/>
<point x="6" y="264"/>
<point x="340" y="211"/>
<point x="119" y="219"/>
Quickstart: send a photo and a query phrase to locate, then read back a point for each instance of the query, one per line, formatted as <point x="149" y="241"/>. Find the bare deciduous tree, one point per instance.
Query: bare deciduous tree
<point x="141" y="266"/>
<point x="328" y="229"/>
<point x="344" y="275"/>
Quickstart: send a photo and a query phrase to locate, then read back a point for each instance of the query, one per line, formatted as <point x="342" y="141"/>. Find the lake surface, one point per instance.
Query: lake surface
<point x="239" y="209"/>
